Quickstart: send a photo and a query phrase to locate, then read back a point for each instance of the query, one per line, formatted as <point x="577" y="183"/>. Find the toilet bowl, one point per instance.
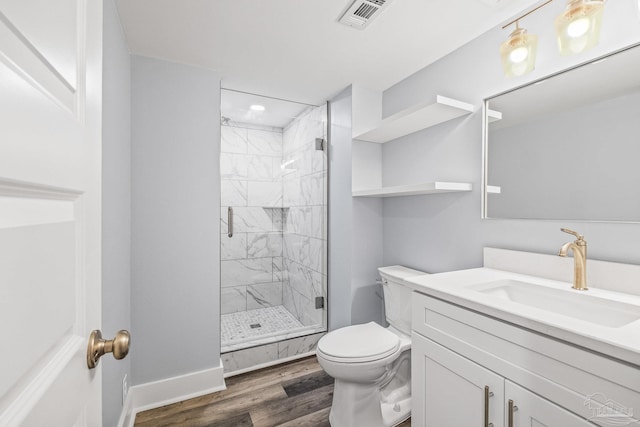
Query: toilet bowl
<point x="371" y="364"/>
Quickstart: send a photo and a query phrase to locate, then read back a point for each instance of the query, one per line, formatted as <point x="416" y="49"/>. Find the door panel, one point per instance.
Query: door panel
<point x="51" y="28"/>
<point x="438" y="369"/>
<point x="533" y="410"/>
<point x="48" y="291"/>
<point x="39" y="41"/>
<point x="50" y="168"/>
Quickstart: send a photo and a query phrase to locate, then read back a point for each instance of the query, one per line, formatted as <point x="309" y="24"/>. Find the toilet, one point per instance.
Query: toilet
<point x="371" y="364"/>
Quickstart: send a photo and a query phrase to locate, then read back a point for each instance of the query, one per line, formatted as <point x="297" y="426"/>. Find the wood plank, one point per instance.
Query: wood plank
<point x="241" y="420"/>
<point x="218" y="412"/>
<point x="296" y="386"/>
<point x="316" y="419"/>
<point x="279" y="412"/>
<point x="406" y="423"/>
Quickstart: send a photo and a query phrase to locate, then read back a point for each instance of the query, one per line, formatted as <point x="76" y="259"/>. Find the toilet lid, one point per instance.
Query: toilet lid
<point x="359" y="343"/>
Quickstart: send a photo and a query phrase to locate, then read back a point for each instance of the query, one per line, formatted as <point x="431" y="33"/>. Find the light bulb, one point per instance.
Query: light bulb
<point x="518" y="54"/>
<point x="578" y="28"/>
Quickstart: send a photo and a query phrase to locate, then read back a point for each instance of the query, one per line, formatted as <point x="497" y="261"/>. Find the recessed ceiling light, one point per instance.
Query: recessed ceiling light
<point x="257" y="107"/>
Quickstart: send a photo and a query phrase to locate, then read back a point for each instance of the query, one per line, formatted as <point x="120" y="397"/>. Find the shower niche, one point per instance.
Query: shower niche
<point x="273" y="168"/>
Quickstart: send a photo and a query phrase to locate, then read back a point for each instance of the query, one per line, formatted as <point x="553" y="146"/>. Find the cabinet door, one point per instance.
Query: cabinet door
<point x="534" y="411"/>
<point x="449" y="390"/>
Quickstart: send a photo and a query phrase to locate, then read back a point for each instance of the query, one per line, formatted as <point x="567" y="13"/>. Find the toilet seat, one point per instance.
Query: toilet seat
<point x="359" y="343"/>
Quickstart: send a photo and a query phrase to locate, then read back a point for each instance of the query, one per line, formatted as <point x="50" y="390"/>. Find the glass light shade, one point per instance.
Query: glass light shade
<point x="518" y="53"/>
<point x="578" y="27"/>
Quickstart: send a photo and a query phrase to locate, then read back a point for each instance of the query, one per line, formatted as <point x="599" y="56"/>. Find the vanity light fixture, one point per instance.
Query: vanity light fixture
<point x="577" y="30"/>
<point x="257" y="107"/>
<point x="518" y="53"/>
<point x="578" y="27"/>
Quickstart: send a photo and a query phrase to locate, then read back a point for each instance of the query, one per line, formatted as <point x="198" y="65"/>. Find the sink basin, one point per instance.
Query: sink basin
<point x="576" y="304"/>
<point x="601" y="319"/>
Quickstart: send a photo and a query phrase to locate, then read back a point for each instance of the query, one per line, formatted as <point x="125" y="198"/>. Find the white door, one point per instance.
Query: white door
<point x="50" y="167"/>
<point x="532" y="410"/>
<point x="449" y="390"/>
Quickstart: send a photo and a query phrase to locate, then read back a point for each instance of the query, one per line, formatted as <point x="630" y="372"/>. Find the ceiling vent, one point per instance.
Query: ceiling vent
<point x="362" y="12"/>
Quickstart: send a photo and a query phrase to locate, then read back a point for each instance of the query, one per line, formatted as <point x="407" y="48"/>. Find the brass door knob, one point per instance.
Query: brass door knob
<point x="98" y="347"/>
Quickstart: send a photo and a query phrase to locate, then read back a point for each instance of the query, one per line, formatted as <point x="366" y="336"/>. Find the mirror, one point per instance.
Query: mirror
<point x="567" y="147"/>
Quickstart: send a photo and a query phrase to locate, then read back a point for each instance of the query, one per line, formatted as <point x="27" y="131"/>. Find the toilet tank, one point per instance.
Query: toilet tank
<point x="397" y="296"/>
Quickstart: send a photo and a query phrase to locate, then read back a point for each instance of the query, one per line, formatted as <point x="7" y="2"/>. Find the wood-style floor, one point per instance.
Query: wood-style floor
<point x="298" y="393"/>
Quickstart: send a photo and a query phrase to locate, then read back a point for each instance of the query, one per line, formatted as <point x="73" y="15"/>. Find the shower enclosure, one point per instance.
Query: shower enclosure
<point x="273" y="167"/>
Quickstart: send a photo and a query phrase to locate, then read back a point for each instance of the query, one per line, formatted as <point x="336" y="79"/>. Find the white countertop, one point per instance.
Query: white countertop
<point x="457" y="287"/>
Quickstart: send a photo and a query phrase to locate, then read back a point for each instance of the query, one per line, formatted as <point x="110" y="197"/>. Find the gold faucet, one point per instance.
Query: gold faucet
<point x="579" y="248"/>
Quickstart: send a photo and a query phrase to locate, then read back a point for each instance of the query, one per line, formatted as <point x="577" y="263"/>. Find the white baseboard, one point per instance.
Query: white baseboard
<point x="155" y="394"/>
<point x="127" y="416"/>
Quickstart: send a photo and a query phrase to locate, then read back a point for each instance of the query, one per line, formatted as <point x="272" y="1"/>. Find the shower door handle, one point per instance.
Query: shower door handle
<point x="230" y="220"/>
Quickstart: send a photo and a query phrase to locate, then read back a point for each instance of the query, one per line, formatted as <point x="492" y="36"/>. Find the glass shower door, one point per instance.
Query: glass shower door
<point x="273" y="220"/>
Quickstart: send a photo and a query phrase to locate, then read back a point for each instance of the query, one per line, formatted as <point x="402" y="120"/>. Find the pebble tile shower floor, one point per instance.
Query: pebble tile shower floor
<point x="245" y="325"/>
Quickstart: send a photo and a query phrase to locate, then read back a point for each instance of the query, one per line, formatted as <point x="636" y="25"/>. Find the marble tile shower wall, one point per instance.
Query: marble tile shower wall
<point x="305" y="213"/>
<point x="251" y="183"/>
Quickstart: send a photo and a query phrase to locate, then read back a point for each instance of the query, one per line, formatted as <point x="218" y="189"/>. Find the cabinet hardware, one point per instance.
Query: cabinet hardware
<point x="230" y="220"/>
<point x="487" y="395"/>
<point x="512" y="408"/>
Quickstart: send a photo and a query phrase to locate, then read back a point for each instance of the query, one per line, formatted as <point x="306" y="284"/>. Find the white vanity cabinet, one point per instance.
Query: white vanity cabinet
<point x="458" y="392"/>
<point x="466" y="367"/>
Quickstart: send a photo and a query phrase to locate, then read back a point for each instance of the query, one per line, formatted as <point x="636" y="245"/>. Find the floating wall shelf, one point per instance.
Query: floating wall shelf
<point x="415" y="189"/>
<point x="494" y="115"/>
<point x="416" y="118"/>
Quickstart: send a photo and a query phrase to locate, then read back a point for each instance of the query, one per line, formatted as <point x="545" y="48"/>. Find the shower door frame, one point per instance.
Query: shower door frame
<point x="323" y="327"/>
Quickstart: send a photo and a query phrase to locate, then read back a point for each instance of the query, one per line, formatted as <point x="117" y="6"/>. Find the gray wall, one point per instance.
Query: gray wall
<point x="339" y="292"/>
<point x="444" y="232"/>
<point x="367" y="229"/>
<point x="116" y="206"/>
<point x="367" y="256"/>
<point x="175" y="296"/>
<point x="355" y="231"/>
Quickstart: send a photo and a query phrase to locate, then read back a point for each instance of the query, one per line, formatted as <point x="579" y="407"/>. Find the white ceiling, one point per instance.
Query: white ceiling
<point x="296" y="49"/>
